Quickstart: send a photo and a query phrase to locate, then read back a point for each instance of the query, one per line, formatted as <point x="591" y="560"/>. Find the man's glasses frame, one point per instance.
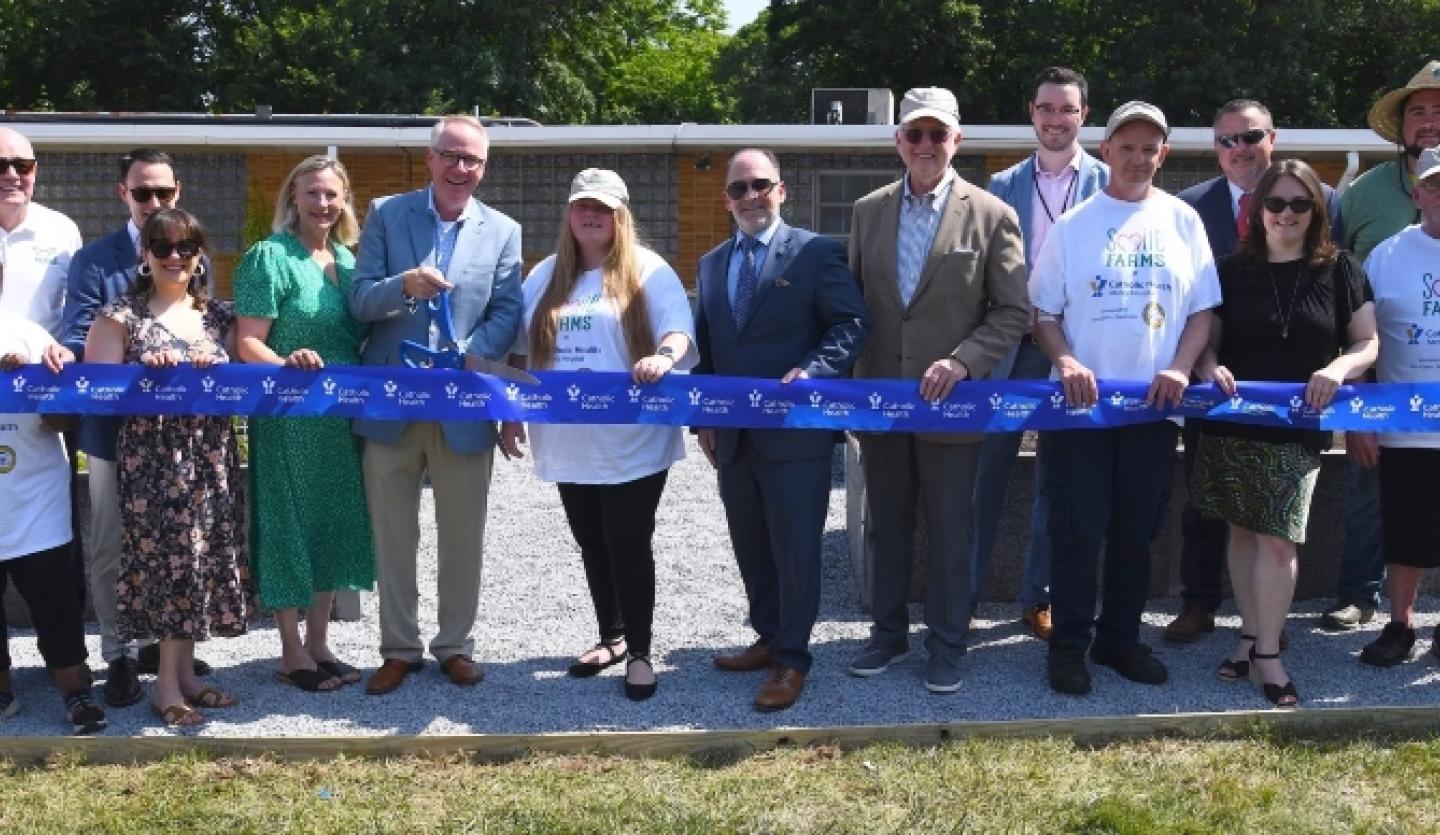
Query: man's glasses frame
<point x="937" y="135"/>
<point x="466" y="162"/>
<point x="739" y="189"/>
<point x="22" y="166"/>
<point x="1253" y="136"/>
<point x="143" y="194"/>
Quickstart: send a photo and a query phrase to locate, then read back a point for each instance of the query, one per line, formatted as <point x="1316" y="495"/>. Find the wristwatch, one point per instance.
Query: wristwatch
<point x="667" y="352"/>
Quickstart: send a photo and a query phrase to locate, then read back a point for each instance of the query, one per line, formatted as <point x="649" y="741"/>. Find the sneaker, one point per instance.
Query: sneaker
<point x="1346" y="616"/>
<point x="1395" y="645"/>
<point x="85" y="715"/>
<point x="1134" y="662"/>
<point x="1190" y="624"/>
<point x="875" y="659"/>
<point x="942" y="674"/>
<point x="122" y="683"/>
<point x="1038" y="619"/>
<point x="1065" y="667"/>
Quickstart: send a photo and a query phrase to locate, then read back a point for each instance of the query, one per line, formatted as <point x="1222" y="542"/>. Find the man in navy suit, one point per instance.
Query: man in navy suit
<point x="1040" y="188"/>
<point x="100" y="273"/>
<point x="414" y="247"/>
<point x="775" y="301"/>
<point x="1244" y="144"/>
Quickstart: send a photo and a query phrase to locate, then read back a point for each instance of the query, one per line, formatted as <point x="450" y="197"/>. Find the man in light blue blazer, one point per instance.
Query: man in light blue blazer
<point x="775" y="302"/>
<point x="414" y="247"/>
<point x="101" y="272"/>
<point x="1040" y="188"/>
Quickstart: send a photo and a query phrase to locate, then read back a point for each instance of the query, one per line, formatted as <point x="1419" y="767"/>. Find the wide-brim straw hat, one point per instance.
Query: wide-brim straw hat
<point x="1385" y="117"/>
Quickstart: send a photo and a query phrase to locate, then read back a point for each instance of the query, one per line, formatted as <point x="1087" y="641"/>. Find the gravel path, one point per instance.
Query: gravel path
<point x="535" y="615"/>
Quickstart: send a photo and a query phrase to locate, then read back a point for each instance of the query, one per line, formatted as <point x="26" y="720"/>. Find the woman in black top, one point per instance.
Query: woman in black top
<point x="1295" y="309"/>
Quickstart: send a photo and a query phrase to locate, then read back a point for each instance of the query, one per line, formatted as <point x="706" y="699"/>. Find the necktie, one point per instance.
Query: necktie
<point x="745" y="287"/>
<point x="1242" y="227"/>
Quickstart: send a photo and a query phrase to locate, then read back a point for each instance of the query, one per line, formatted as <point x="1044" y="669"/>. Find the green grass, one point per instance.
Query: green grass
<point x="1152" y="786"/>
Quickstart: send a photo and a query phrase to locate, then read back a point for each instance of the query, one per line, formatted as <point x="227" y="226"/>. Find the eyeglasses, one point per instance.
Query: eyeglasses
<point x="187" y="248"/>
<point x="1051" y="110"/>
<point x="914" y="135"/>
<point x="466" y="162"/>
<point x="1298" y="205"/>
<point x="143" y="194"/>
<point x="1254" y="136"/>
<point x="22" y="165"/>
<point x="760" y="185"/>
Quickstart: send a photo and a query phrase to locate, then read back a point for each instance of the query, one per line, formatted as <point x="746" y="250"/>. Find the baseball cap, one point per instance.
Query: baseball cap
<point x="1429" y="164"/>
<point x="599" y="184"/>
<point x="934" y="102"/>
<point x="1136" y="111"/>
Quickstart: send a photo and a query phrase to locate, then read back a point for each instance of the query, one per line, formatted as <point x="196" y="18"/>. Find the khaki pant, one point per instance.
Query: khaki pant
<point x="461" y="484"/>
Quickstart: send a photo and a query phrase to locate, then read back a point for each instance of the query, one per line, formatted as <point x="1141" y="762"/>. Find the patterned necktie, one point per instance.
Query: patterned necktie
<point x="1242" y="228"/>
<point x="745" y="287"/>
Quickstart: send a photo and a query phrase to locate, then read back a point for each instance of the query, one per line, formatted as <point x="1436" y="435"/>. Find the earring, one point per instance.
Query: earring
<point x="144" y="268"/>
<point x="200" y="269"/>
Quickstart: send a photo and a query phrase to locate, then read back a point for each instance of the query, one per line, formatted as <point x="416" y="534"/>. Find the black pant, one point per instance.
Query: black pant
<point x="613" y="525"/>
<point x="1202" y="554"/>
<point x="45" y="581"/>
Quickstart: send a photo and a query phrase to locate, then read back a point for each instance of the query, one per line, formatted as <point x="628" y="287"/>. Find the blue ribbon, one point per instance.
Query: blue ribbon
<point x="396" y="393"/>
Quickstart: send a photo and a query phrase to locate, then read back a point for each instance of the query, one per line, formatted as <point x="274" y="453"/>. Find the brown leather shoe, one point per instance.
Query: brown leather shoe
<point x="755" y="657"/>
<point x="780" y="690"/>
<point x="1192" y="622"/>
<point x="1038" y="619"/>
<point x="462" y="670"/>
<point x="391" y="675"/>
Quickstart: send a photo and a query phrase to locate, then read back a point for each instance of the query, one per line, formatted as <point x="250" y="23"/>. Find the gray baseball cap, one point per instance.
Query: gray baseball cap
<point x="599" y="184"/>
<point x="1429" y="164"/>
<point x="934" y="102"/>
<point x="1136" y="111"/>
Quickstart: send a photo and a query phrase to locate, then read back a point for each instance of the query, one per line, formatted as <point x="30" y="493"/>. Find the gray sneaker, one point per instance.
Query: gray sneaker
<point x="942" y="675"/>
<point x="875" y="659"/>
<point x="1346" y="616"/>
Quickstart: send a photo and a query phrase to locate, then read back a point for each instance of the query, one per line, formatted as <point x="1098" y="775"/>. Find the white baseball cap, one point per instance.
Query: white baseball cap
<point x="599" y="184"/>
<point x="935" y="102"/>
<point x="1136" y="111"/>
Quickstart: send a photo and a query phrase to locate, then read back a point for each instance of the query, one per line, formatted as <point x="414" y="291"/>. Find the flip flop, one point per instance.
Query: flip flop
<point x="339" y="669"/>
<point x="309" y="680"/>
<point x="180" y="716"/>
<point x="210" y="697"/>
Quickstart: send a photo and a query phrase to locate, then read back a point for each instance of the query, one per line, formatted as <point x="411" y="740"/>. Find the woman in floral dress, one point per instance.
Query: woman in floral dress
<point x="183" y="573"/>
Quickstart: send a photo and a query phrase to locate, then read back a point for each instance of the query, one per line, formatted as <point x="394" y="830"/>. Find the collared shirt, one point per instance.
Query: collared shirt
<point x="134" y="237"/>
<point x="1236" y="193"/>
<point x="36" y="258"/>
<point x="1055" y="192"/>
<point x="762" y="249"/>
<point x="919" y="221"/>
<point x="446" y="232"/>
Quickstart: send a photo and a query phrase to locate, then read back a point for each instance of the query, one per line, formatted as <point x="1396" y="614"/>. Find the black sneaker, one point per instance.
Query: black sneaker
<point x="86" y="717"/>
<point x="122" y="683"/>
<point x="1396" y="644"/>
<point x="1133" y="662"/>
<point x="1065" y="666"/>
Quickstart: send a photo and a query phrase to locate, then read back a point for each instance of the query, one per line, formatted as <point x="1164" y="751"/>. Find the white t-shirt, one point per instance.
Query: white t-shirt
<point x="36" y="258"/>
<point x="1125" y="276"/>
<point x="1404" y="272"/>
<point x="34" y="472"/>
<point x="590" y="338"/>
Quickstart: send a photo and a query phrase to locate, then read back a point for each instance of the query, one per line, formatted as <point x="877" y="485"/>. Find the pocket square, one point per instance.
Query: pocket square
<point x="961" y="250"/>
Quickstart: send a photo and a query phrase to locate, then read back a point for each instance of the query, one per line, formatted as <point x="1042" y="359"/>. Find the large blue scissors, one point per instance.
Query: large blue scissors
<point x="447" y="353"/>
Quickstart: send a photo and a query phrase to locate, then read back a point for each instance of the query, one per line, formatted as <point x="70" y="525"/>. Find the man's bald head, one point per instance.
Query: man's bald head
<point x="17" y="177"/>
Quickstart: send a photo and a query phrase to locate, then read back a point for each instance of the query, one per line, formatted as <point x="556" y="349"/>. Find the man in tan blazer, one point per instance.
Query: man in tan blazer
<point x="942" y="265"/>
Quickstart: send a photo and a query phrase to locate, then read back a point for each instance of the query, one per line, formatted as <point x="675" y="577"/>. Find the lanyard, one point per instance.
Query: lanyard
<point x="1069" y="192"/>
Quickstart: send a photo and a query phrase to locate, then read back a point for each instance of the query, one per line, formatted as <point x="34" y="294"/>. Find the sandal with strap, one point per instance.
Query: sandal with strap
<point x="1280" y="695"/>
<point x="180" y="716"/>
<point x="1234" y="671"/>
<point x="586" y="669"/>
<point x="210" y="697"/>
<point x="86" y="717"/>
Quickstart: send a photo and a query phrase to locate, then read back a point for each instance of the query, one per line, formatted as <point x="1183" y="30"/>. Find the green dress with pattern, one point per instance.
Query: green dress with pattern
<point x="309" y="526"/>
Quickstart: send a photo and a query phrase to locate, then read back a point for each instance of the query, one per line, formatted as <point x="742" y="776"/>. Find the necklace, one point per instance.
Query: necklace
<point x="1294" y="295"/>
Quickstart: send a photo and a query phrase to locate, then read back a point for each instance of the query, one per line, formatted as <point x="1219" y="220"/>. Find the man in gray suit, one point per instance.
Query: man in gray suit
<point x="414" y="248"/>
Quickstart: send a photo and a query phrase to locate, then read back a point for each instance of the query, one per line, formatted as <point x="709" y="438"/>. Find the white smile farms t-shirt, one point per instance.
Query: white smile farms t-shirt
<point x="590" y="338"/>
<point x="34" y="472"/>
<point x="1404" y="272"/>
<point x="1125" y="276"/>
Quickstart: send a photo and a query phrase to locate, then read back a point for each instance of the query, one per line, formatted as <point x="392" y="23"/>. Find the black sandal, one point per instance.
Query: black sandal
<point x="586" y="669"/>
<point x="86" y="717"/>
<point x="640" y="692"/>
<point x="1233" y="671"/>
<point x="1280" y="695"/>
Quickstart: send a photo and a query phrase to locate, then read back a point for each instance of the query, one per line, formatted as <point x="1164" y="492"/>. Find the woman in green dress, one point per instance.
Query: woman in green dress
<point x="309" y="525"/>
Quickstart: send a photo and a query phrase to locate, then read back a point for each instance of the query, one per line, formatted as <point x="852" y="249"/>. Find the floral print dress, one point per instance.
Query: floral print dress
<point x="183" y="569"/>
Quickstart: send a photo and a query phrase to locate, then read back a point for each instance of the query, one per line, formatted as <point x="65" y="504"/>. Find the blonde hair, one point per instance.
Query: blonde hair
<point x="620" y="284"/>
<point x="287" y="217"/>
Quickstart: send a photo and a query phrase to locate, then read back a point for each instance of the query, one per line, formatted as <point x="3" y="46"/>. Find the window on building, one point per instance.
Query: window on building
<point x="836" y="196"/>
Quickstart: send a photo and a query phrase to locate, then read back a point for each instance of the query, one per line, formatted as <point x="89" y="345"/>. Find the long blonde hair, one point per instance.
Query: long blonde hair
<point x="287" y="216"/>
<point x="621" y="284"/>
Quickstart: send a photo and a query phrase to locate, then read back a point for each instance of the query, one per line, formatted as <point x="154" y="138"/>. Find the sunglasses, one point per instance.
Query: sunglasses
<point x="22" y="165"/>
<point x="1254" y="136"/>
<point x="914" y="135"/>
<point x="143" y="194"/>
<point x="1298" y="205"/>
<point x="760" y="185"/>
<point x="467" y="162"/>
<point x="188" y="248"/>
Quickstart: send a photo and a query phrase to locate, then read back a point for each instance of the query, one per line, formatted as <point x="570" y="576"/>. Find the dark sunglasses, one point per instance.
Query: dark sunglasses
<point x="1254" y="136"/>
<point x="164" y="249"/>
<point x="914" y="135"/>
<point x="760" y="185"/>
<point x="142" y="194"/>
<point x="22" y="165"/>
<point x="1298" y="205"/>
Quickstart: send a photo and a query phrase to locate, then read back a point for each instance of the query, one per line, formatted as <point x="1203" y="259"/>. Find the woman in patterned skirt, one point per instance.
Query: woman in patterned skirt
<point x="183" y="573"/>
<point x="1298" y="310"/>
<point x="309" y="523"/>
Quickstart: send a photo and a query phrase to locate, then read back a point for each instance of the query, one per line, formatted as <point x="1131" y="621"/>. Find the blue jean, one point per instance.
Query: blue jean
<point x="1362" y="562"/>
<point x="992" y="485"/>
<point x="1110" y="486"/>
